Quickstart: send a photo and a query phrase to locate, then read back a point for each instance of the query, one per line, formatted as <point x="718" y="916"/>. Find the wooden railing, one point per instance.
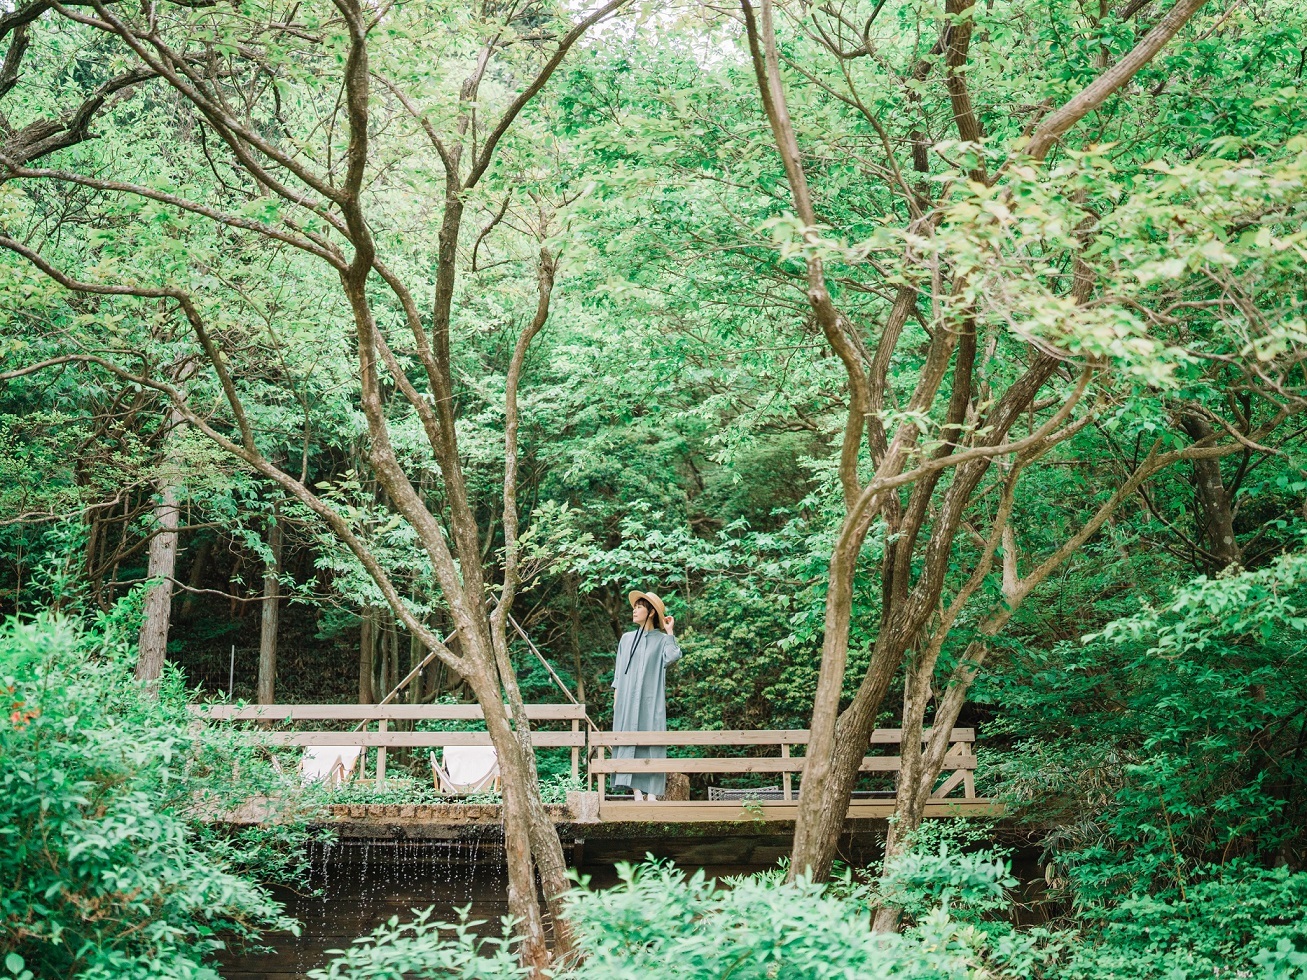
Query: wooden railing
<point x="382" y="714"/>
<point x="960" y="758"/>
<point x="959" y="763"/>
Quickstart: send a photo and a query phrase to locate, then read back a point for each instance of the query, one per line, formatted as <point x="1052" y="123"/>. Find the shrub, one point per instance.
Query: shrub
<point x="101" y="876"/>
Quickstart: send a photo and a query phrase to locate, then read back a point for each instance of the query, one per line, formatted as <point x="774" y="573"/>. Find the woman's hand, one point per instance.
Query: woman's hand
<point x="669" y="624"/>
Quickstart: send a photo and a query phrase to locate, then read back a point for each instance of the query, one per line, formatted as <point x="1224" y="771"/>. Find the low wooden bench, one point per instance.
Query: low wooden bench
<point x="383" y="714"/>
<point x="961" y="759"/>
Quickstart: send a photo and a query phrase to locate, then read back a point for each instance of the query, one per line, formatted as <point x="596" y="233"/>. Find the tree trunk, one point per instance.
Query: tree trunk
<point x="367" y="651"/>
<point x="162" y="567"/>
<point x="823" y="779"/>
<point x="821" y="815"/>
<point x="268" y="626"/>
<point x="517" y="776"/>
<point x="416" y="651"/>
<point x="574" y="633"/>
<point x="1216" y="509"/>
<point x="195" y="580"/>
<point x="393" y="671"/>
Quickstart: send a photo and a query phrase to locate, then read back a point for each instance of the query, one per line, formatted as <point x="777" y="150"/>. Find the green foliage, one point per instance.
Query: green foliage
<point x="1228" y="917"/>
<point x="680" y="426"/>
<point x="427" y="948"/>
<point x="1166" y="749"/>
<point x="101" y="875"/>
<point x="659" y="920"/>
<point x="919" y="882"/>
<point x="1181" y="725"/>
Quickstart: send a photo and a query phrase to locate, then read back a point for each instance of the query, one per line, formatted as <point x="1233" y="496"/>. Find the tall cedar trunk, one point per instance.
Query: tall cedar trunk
<point x="162" y="568"/>
<point x="271" y="609"/>
<point x="367" y="651"/>
<point x="1215" y="508"/>
<point x="234" y="604"/>
<point x="393" y="669"/>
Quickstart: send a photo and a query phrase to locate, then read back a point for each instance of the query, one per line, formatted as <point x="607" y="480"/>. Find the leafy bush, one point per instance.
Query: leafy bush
<point x="427" y="948"/>
<point x="920" y="882"/>
<point x="101" y="875"/>
<point x="1238" y="917"/>
<point x="661" y="922"/>
<point x="1170" y="739"/>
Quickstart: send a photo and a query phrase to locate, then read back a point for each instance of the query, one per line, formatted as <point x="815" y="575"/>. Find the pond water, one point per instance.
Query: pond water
<point x="358" y="885"/>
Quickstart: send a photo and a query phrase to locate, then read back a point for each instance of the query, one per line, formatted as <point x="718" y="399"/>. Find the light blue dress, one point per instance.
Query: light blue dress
<point x="640" y="701"/>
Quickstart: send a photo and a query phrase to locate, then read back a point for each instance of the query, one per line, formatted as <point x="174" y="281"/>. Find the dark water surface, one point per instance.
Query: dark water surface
<point x="360" y="884"/>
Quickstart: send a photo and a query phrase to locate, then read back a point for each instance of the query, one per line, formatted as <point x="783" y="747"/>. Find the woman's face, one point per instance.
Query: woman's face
<point x="640" y="613"/>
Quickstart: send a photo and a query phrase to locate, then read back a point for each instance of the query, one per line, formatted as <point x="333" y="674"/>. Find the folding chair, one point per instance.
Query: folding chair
<point x="332" y="764"/>
<point x="467" y="769"/>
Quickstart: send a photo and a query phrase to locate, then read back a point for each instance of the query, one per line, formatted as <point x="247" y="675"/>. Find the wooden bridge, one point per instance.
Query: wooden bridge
<point x="368" y="726"/>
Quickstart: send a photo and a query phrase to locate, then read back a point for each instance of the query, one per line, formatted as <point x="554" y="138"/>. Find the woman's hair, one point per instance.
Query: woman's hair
<point x="657" y="619"/>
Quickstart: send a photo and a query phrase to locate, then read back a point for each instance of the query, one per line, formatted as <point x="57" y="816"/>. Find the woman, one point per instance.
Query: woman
<point x="640" y="704"/>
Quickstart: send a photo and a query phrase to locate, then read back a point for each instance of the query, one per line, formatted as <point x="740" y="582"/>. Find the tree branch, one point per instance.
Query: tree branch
<point x="1055" y="125"/>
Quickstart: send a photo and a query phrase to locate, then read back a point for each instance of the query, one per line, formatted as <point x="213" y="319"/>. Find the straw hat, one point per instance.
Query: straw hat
<point x="650" y="598"/>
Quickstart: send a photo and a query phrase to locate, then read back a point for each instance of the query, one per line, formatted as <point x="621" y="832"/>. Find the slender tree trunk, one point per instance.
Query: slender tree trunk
<point x="195" y="580"/>
<point x="574" y="633"/>
<point x="271" y="611"/>
<point x="161" y="569"/>
<point x="1216" y="509"/>
<point x="517" y="774"/>
<point x="367" y="651"/>
<point x="392" y="655"/>
<point x="415" y="653"/>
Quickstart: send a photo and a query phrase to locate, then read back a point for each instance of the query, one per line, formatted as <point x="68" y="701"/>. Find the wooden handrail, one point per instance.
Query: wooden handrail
<point x="960" y="760"/>
<point x="383" y="714"/>
<point x="375" y="712"/>
<point x="545" y="740"/>
<point x="871" y="763"/>
<point x="791" y="736"/>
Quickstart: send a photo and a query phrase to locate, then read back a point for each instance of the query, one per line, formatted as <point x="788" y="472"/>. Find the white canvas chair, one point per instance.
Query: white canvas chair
<point x="332" y="764"/>
<point x="466" y="769"/>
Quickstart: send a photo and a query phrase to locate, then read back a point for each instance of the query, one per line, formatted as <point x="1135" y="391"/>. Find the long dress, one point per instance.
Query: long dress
<point x="640" y="701"/>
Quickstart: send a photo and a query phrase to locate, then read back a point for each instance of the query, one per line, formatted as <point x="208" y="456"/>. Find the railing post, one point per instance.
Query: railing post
<point x="363" y="757"/>
<point x="576" y="751"/>
<point x="785" y="776"/>
<point x="381" y="757"/>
